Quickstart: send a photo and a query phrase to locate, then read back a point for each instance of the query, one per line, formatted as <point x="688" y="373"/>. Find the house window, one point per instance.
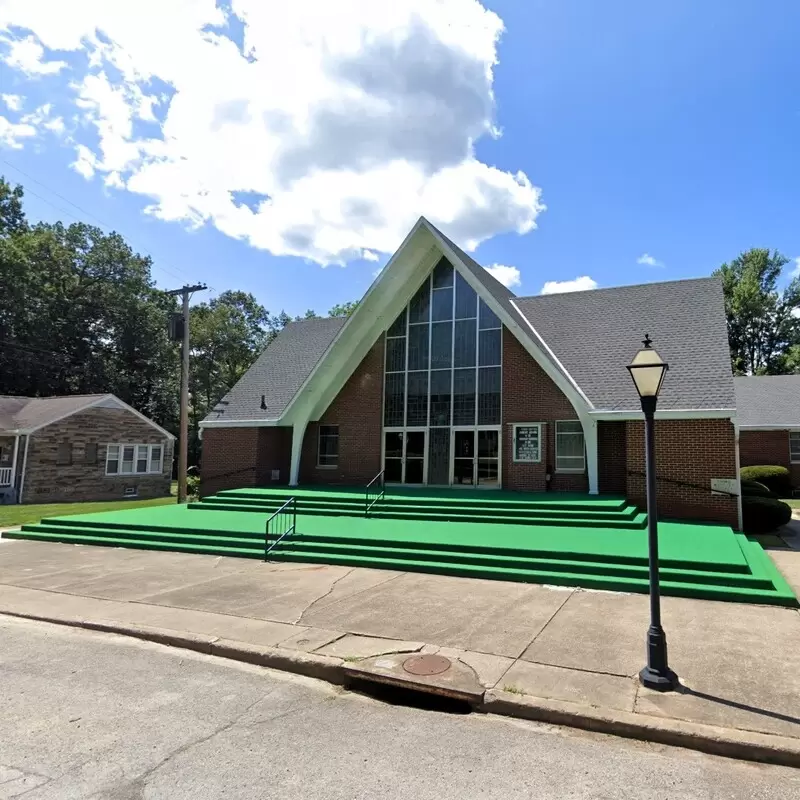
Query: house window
<point x="528" y="443"/>
<point x="64" y="454"/>
<point x="570" y="450"/>
<point x="794" y="447"/>
<point x="134" y="459"/>
<point x="328" y="447"/>
<point x="90" y="453"/>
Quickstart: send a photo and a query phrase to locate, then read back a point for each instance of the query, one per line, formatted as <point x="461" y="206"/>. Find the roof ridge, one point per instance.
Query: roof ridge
<point x="621" y="286"/>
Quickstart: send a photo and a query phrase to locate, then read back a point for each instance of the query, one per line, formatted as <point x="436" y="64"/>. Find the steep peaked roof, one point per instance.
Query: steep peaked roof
<point x="595" y="334"/>
<point x="279" y="372"/>
<point x="583" y="340"/>
<point x="768" y="401"/>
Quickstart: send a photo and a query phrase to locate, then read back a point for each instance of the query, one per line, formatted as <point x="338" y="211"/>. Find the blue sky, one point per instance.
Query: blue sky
<point x="668" y="129"/>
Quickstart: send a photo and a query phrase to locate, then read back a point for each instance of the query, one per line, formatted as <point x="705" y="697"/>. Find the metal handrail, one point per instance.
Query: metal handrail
<point x="283" y="513"/>
<point x="380" y="495"/>
<point x="682" y="483"/>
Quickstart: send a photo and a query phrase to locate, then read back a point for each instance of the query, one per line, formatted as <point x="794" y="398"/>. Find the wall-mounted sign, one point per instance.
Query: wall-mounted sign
<point x="528" y="443"/>
<point x="726" y="486"/>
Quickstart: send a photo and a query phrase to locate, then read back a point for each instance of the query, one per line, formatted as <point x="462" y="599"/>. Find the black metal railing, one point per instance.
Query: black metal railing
<point x="375" y="491"/>
<point x="280" y="525"/>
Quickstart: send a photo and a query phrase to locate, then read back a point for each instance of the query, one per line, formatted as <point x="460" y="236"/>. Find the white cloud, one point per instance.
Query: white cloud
<point x="649" y="261"/>
<point x="13" y="101"/>
<point x="27" y="55"/>
<point x="582" y="284"/>
<point x="12" y="133"/>
<point x="368" y="255"/>
<point x="353" y="118"/>
<point x="508" y="276"/>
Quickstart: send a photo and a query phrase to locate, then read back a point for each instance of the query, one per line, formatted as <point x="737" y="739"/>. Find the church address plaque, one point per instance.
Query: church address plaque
<point x="527" y="443"/>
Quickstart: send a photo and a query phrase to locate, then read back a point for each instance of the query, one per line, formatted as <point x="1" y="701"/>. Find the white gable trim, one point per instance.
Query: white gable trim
<point x="240" y="423"/>
<point x="103" y="400"/>
<point x="685" y="413"/>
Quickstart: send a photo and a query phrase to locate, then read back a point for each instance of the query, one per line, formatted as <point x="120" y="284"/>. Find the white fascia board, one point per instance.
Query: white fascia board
<point x="240" y="423"/>
<point x="354" y="321"/>
<point x="686" y="413"/>
<point x="793" y="427"/>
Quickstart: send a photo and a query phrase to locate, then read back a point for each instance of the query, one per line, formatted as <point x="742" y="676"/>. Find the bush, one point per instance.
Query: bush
<point x="192" y="484"/>
<point x="756" y="489"/>
<point x="776" y="479"/>
<point x="764" y="514"/>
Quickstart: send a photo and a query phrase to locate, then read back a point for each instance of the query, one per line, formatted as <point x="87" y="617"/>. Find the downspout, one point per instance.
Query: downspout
<point x="24" y="468"/>
<point x="738" y="473"/>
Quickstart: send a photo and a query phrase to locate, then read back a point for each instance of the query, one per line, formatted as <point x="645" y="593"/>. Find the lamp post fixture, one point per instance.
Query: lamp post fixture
<point x="648" y="371"/>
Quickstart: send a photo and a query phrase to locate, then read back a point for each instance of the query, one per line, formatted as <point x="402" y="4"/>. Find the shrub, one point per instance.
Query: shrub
<point x="756" y="489"/>
<point x="764" y="514"/>
<point x="777" y="479"/>
<point x="192" y="484"/>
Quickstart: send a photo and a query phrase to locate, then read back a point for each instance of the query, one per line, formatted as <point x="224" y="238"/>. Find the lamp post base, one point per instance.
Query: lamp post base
<point x="666" y="681"/>
<point x="657" y="674"/>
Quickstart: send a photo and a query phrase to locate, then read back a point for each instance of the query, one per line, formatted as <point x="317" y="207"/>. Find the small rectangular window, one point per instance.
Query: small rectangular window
<point x="90" y="453"/>
<point x="328" y="449"/>
<point x="112" y="459"/>
<point x="128" y="453"/>
<point x="155" y="458"/>
<point x="528" y="443"/>
<point x="142" y="451"/>
<point x="794" y="447"/>
<point x="64" y="454"/>
<point x="570" y="448"/>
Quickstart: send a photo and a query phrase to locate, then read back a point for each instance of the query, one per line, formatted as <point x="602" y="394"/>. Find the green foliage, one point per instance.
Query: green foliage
<point x="763" y="332"/>
<point x="776" y="479"/>
<point x="756" y="489"/>
<point x="764" y="514"/>
<point x="343" y="309"/>
<point x="193" y="484"/>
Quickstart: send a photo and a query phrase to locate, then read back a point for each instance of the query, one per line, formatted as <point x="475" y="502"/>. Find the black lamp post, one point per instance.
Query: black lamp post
<point x="648" y="371"/>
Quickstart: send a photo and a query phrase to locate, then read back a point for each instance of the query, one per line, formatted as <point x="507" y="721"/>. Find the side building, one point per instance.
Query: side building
<point x="443" y="377"/>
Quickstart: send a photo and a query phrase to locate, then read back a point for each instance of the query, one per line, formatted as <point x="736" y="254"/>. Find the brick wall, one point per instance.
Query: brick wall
<point x="758" y="448"/>
<point x="692" y="451"/>
<point x="235" y="458"/>
<point x="529" y="395"/>
<point x="357" y="410"/>
<point x="46" y="481"/>
<point x="612" y="473"/>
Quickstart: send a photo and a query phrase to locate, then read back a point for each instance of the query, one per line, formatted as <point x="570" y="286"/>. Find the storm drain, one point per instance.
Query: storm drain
<point x="398" y="691"/>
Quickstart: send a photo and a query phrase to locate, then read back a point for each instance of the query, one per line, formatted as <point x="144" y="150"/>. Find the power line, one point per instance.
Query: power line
<point x="158" y="264"/>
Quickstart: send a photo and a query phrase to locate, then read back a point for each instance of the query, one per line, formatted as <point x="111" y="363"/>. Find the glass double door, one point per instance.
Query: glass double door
<point x="404" y="456"/>
<point x="442" y="456"/>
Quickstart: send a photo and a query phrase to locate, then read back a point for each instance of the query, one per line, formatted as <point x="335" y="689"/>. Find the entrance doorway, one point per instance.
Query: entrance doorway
<point x="476" y="457"/>
<point x="404" y="456"/>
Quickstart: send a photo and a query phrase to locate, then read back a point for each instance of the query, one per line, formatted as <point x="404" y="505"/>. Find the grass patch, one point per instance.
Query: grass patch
<point x="794" y="502"/>
<point x="512" y="689"/>
<point x="26" y="515"/>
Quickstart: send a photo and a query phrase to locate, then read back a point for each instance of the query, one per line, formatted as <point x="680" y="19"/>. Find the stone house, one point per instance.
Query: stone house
<point x="79" y="448"/>
<point x="769" y="420"/>
<point x="443" y="377"/>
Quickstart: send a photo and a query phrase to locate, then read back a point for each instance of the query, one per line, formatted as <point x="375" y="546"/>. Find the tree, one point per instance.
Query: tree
<point x="763" y="326"/>
<point x="343" y="309"/>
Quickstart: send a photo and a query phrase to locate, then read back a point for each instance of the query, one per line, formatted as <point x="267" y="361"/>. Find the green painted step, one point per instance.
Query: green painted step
<point x="673" y="588"/>
<point x="637" y="522"/>
<point x="551" y="561"/>
<point x="358" y="508"/>
<point x="562" y="576"/>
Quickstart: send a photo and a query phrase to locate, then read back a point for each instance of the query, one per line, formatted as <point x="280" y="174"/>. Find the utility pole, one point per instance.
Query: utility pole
<point x="183" y="453"/>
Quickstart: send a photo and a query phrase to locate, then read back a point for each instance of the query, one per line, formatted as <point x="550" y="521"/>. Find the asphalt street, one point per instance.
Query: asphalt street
<point x="91" y="715"/>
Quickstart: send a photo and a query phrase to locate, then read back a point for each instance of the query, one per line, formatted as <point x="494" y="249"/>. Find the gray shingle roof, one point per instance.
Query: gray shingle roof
<point x="279" y="372"/>
<point x="595" y="334"/>
<point x="25" y="413"/>
<point x="768" y="401"/>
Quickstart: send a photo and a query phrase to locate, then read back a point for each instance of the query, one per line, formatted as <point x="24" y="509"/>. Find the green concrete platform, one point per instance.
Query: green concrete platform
<point x="706" y="561"/>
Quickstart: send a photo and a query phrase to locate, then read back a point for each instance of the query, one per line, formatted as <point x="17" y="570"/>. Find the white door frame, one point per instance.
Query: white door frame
<point x="475" y="429"/>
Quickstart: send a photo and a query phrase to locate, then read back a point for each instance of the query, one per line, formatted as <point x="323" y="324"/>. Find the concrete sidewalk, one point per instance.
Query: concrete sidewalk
<point x="562" y="655"/>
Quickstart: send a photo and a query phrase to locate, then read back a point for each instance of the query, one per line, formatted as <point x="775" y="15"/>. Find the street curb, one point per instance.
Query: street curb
<point x="732" y="743"/>
<point x="738" y="744"/>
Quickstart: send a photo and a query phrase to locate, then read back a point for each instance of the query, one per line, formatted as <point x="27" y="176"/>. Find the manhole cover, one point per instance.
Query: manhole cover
<point x="426" y="665"/>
